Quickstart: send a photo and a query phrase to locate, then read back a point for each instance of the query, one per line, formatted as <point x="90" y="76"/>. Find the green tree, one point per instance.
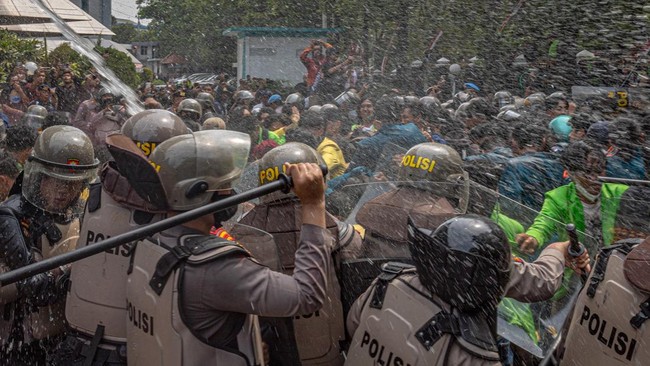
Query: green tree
<point x="65" y="55"/>
<point x="124" y="33"/>
<point x="121" y="65"/>
<point x="14" y="50"/>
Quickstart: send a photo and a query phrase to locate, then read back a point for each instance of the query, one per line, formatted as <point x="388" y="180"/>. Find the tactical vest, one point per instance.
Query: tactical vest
<point x="317" y="335"/>
<point x="156" y="332"/>
<point x="88" y="309"/>
<point x="401" y="324"/>
<point x="49" y="320"/>
<point x="385" y="220"/>
<point x="609" y="324"/>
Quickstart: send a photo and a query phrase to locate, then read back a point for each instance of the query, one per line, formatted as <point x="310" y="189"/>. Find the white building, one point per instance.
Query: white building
<point x="273" y="53"/>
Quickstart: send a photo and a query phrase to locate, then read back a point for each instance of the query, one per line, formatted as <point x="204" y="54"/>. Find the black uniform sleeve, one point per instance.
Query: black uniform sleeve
<point x="40" y="289"/>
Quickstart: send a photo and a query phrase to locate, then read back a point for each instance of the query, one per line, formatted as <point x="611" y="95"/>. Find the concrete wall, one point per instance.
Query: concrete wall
<point x="98" y="9"/>
<point x="271" y="57"/>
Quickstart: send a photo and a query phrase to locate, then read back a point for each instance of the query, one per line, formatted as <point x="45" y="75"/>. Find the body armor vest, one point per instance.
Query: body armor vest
<point x="401" y="324"/>
<point x="385" y="220"/>
<point x="49" y="320"/>
<point x="317" y="335"/>
<point x="88" y="307"/>
<point x="156" y="332"/>
<point x="608" y="317"/>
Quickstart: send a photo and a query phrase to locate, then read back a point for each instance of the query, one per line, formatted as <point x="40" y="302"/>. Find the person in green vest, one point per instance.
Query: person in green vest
<point x="585" y="202"/>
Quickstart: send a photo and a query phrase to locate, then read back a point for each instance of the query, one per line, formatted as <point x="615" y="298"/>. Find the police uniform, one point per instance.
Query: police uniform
<point x="317" y="337"/>
<point x="96" y="318"/>
<point x="529" y="282"/>
<point x="432" y="188"/>
<point x="399" y="322"/>
<point x="39" y="224"/>
<point x="610" y="318"/>
<point x="199" y="316"/>
<point x="91" y="313"/>
<point x="193" y="298"/>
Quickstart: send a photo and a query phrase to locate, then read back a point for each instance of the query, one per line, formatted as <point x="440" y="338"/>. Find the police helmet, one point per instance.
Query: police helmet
<point x="272" y="163"/>
<point x="244" y="96"/>
<point x="35" y="116"/>
<point x="328" y="107"/>
<point x="465" y="261"/>
<point x="430" y="102"/>
<point x="192" y="167"/>
<point x="151" y="127"/>
<point x="295" y="99"/>
<point x="61" y="165"/>
<point x="315" y="109"/>
<point x="436" y="167"/>
<point x="502" y="98"/>
<point x="191" y="106"/>
<point x="206" y="100"/>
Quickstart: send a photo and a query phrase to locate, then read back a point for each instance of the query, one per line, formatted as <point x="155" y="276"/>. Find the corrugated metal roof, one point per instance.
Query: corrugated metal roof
<point x="34" y="21"/>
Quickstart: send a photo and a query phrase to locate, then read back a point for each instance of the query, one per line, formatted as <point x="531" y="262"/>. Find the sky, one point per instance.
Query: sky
<point x="126" y="9"/>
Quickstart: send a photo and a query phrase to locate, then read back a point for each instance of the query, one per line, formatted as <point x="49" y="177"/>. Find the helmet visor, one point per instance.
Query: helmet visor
<point x="56" y="189"/>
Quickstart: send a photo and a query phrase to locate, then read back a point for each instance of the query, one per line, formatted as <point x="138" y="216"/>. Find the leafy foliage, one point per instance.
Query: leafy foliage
<point x="401" y="31"/>
<point x="14" y="50"/>
<point x="65" y="55"/>
<point x="121" y="65"/>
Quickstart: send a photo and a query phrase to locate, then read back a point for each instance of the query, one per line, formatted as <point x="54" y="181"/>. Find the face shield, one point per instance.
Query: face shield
<point x="57" y="188"/>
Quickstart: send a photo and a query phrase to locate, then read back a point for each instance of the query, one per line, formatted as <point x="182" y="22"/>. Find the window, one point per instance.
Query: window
<point x="144" y="50"/>
<point x="84" y="5"/>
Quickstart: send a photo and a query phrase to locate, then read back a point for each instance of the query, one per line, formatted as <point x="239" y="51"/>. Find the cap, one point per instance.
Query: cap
<point x="275" y="98"/>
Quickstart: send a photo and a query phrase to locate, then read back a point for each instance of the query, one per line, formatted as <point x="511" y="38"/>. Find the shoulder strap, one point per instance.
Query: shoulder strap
<point x="196" y="249"/>
<point x="166" y="265"/>
<point x="439" y="325"/>
<point x="598" y="273"/>
<point x="95" y="197"/>
<point x="390" y="271"/>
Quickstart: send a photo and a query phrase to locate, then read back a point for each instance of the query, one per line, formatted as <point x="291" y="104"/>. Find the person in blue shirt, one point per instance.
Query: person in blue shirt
<point x="533" y="171"/>
<point x="392" y="131"/>
<point x="624" y="156"/>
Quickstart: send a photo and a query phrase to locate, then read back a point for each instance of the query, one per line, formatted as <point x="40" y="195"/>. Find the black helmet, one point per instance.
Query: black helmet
<point x="465" y="261"/>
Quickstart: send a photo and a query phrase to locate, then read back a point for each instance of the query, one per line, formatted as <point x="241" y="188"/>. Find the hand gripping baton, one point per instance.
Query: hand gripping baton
<point x="575" y="248"/>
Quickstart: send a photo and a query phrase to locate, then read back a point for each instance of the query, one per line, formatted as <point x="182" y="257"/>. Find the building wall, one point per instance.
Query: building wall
<point x="98" y="9"/>
<point x="271" y="57"/>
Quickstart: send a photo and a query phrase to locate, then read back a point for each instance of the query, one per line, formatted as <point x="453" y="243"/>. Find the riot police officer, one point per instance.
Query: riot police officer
<point x="317" y="335"/>
<point x="190" y="296"/>
<point x="38" y="224"/>
<point x="462" y="271"/>
<point x="460" y="275"/>
<point x="207" y="106"/>
<point x="190" y="111"/>
<point x="431" y="182"/>
<point x="97" y="330"/>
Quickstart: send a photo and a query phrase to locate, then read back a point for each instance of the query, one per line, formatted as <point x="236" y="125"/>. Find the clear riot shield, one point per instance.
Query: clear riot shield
<point x="249" y="178"/>
<point x="535" y="328"/>
<point x="259" y="243"/>
<point x="382" y="209"/>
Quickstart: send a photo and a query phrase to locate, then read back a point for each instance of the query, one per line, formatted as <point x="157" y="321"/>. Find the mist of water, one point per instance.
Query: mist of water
<point x="85" y="47"/>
